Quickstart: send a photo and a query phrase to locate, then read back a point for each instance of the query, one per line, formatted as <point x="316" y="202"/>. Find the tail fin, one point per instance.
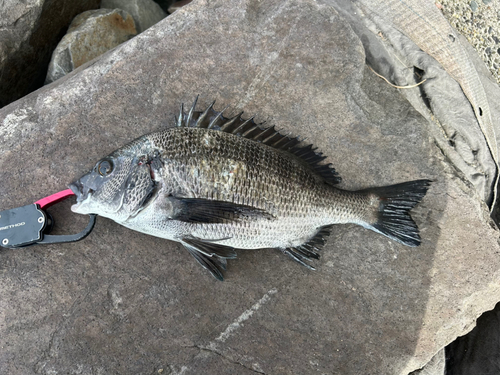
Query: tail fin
<point x="394" y="220"/>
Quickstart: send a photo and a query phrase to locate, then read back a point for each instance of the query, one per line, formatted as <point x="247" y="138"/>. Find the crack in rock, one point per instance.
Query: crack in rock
<point x="245" y="316"/>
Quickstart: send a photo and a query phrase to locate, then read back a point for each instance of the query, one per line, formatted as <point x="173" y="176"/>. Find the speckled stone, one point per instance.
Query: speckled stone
<point x="29" y="32"/>
<point x="473" y="6"/>
<point x="90" y="34"/>
<point x="480" y="24"/>
<point x="144" y="12"/>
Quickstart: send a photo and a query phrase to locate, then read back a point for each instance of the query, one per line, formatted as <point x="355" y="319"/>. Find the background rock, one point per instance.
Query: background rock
<point x="477" y="352"/>
<point x="436" y="366"/>
<point x="144" y="12"/>
<point x="29" y="32"/>
<point x="165" y="4"/>
<point x="178" y="5"/>
<point x="90" y="35"/>
<point x="481" y="28"/>
<point x="124" y="302"/>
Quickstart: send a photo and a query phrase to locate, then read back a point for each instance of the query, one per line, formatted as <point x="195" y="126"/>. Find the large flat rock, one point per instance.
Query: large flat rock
<point x="123" y="302"/>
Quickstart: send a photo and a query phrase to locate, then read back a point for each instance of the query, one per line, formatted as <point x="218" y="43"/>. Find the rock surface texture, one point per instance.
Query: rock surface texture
<point x="436" y="366"/>
<point x="29" y="32"/>
<point x="123" y="302"/>
<point x="90" y="35"/>
<point x="144" y="12"/>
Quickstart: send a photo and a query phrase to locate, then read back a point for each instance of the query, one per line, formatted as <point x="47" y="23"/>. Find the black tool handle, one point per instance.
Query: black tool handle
<point x="29" y="225"/>
<point x="49" y="238"/>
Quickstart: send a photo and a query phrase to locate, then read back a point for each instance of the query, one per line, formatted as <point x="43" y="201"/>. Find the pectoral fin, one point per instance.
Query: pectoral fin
<point x="196" y="210"/>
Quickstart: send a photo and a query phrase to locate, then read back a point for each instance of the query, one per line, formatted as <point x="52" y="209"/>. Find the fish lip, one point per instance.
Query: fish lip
<point x="77" y="188"/>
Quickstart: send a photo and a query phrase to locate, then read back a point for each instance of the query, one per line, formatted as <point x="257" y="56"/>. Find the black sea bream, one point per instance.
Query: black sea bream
<point x="217" y="185"/>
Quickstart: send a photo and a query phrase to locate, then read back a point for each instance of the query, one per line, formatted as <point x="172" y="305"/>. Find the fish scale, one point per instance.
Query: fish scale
<point x="279" y="178"/>
<point x="216" y="184"/>
<point x="275" y="177"/>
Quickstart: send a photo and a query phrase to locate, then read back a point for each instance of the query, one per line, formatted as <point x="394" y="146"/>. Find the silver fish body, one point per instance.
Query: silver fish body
<point x="217" y="184"/>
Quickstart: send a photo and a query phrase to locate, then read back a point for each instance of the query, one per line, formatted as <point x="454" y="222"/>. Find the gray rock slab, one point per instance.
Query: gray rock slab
<point x="477" y="352"/>
<point x="90" y="35"/>
<point x="29" y="32"/>
<point x="144" y="12"/>
<point x="436" y="366"/>
<point x="123" y="302"/>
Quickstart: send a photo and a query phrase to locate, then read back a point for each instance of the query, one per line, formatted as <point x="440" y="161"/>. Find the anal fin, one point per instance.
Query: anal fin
<point x="309" y="250"/>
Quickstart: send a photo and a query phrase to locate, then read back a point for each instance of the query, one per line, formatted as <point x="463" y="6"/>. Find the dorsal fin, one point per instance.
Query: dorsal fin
<point x="212" y="119"/>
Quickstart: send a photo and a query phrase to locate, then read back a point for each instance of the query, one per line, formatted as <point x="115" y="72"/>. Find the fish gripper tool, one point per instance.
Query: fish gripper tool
<point x="29" y="225"/>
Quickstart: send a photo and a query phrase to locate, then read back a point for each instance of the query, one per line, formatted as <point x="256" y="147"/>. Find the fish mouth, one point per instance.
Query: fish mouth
<point x="78" y="189"/>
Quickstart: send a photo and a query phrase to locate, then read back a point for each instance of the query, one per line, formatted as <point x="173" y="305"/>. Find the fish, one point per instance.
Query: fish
<point x="218" y="184"/>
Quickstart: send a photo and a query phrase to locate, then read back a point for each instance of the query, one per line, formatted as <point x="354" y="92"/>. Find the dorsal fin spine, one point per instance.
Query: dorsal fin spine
<point x="284" y="138"/>
<point x="202" y="117"/>
<point x="257" y="137"/>
<point x="181" y="116"/>
<point x="269" y="138"/>
<point x="264" y="132"/>
<point x="242" y="126"/>
<point x="247" y="132"/>
<point x="191" y="111"/>
<point x="216" y="118"/>
<point x="287" y="146"/>
<point x="302" y="151"/>
<point x="230" y="122"/>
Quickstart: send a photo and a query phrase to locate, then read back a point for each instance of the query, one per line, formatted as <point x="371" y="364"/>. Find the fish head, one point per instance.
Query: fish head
<point x="119" y="185"/>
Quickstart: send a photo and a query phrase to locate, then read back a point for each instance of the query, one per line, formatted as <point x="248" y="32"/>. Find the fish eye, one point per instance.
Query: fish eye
<point x="105" y="167"/>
